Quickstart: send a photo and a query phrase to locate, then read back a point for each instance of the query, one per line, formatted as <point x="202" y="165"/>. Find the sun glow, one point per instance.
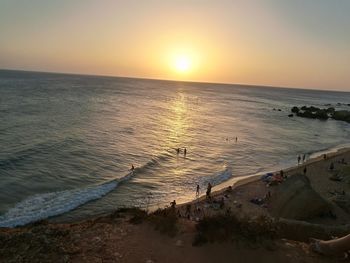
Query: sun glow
<point x="182" y="64"/>
<point x="183" y="61"/>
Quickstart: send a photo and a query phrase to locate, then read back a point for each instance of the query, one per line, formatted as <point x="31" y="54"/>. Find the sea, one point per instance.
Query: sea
<point x="68" y="142"/>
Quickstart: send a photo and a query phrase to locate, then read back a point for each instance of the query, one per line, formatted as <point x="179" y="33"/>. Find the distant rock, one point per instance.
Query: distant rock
<point x="311" y="108"/>
<point x="295" y="109"/>
<point x="321" y="114"/>
<point x="306" y="114"/>
<point x="342" y="115"/>
<point x="330" y="110"/>
<point x="290" y="115"/>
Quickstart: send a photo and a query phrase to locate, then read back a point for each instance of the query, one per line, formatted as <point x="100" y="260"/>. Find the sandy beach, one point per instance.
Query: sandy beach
<point x="245" y="189"/>
<point x="119" y="237"/>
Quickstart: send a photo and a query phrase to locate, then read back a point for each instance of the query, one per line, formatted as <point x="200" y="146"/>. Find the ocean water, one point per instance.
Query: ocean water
<point x="68" y="141"/>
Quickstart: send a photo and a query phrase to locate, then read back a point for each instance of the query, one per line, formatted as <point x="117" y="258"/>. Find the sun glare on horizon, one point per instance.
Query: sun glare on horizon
<point x="182" y="64"/>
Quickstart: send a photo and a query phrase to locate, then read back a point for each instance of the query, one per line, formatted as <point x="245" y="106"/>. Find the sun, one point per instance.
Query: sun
<point x="182" y="63"/>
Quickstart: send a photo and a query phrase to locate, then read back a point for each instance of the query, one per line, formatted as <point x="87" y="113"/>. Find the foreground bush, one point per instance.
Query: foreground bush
<point x="229" y="228"/>
<point x="165" y="221"/>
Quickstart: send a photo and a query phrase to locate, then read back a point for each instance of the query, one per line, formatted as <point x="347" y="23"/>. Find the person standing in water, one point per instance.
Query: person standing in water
<point x="132" y="168"/>
<point x="185" y="152"/>
<point x="177" y="151"/>
<point x="304" y="157"/>
<point x="197" y="190"/>
<point x="299" y="158"/>
<point x="236" y="139"/>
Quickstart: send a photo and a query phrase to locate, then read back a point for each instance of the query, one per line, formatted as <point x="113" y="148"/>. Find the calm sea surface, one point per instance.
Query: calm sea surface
<point x="68" y="142"/>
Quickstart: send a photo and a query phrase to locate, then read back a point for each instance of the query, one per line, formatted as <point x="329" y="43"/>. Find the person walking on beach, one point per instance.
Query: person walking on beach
<point x="132" y="168"/>
<point x="299" y="158"/>
<point x="197" y="190"/>
<point x="236" y="139"/>
<point x="208" y="190"/>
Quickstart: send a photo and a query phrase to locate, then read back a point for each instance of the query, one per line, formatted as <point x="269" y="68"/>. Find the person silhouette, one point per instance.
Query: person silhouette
<point x="208" y="191"/>
<point x="173" y="204"/>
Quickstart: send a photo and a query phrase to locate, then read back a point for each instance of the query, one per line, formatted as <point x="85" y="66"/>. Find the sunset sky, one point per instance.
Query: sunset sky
<point x="299" y="43"/>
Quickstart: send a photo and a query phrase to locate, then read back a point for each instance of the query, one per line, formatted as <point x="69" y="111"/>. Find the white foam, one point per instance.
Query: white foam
<point x="222" y="177"/>
<point x="42" y="206"/>
<point x="219" y="177"/>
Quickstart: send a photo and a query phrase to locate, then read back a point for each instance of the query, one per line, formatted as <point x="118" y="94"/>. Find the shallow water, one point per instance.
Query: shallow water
<point x="67" y="140"/>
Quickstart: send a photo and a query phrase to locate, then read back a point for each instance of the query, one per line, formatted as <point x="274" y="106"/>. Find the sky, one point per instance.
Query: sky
<point x="299" y="43"/>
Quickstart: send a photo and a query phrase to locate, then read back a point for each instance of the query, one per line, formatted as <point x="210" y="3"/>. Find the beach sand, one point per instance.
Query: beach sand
<point x="113" y="238"/>
<point x="238" y="200"/>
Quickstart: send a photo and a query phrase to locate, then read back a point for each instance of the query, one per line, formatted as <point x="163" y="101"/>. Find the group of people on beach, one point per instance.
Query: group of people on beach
<point x="208" y="192"/>
<point x="301" y="158"/>
<point x="320" y="246"/>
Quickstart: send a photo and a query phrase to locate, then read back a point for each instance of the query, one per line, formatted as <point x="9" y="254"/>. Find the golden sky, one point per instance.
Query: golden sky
<point x="302" y="44"/>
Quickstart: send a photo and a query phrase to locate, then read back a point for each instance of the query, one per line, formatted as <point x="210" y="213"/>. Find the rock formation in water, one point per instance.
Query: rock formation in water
<point x="321" y="114"/>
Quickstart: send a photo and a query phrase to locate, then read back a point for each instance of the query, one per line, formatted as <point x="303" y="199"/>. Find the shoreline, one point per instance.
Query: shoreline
<point x="217" y="190"/>
<point x="233" y="181"/>
<point x="238" y="231"/>
<point x="243" y="180"/>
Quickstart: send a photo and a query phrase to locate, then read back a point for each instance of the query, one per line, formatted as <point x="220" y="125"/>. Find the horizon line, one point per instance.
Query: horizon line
<point x="170" y="80"/>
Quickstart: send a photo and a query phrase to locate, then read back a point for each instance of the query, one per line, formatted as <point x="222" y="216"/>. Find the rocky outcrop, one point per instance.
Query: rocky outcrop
<point x="295" y="109"/>
<point x="302" y="231"/>
<point x="321" y="114"/>
<point x="296" y="199"/>
<point x="342" y="115"/>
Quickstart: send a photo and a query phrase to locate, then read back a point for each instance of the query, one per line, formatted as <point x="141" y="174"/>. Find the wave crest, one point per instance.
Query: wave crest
<point x="42" y="206"/>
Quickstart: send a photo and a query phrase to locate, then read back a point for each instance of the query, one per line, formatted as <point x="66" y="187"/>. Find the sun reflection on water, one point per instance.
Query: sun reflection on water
<point x="178" y="122"/>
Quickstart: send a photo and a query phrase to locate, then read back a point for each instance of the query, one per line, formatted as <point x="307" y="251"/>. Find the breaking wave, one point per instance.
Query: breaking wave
<point x="42" y="206"/>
